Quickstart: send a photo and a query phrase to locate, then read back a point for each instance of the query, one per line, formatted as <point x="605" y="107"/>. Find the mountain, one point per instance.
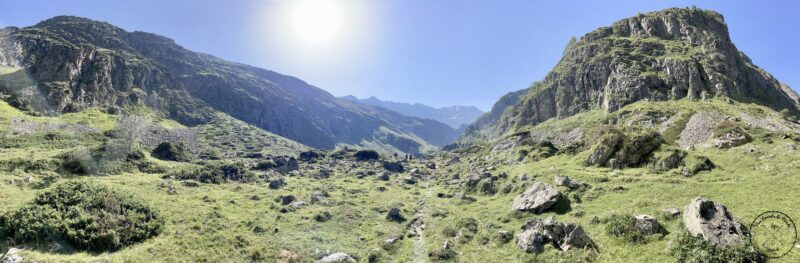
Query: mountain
<point x="666" y="55"/>
<point x="455" y="116"/>
<point x="76" y="63"/>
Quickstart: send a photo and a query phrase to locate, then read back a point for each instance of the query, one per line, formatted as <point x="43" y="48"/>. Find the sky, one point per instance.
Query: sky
<point x="439" y="53"/>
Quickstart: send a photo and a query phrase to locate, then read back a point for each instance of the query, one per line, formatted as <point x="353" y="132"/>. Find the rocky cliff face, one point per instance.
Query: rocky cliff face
<point x="666" y="55"/>
<point x="77" y="63"/>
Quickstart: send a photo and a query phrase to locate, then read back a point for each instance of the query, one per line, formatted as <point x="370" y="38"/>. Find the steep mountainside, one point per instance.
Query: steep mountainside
<point x="665" y="55"/>
<point x="77" y="63"/>
<point x="455" y="116"/>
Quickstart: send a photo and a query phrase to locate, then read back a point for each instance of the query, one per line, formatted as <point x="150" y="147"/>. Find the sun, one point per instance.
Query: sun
<point x="317" y="22"/>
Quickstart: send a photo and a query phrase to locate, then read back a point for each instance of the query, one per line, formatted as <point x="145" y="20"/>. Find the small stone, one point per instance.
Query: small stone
<point x="394" y="215"/>
<point x="336" y="258"/>
<point x="647" y="224"/>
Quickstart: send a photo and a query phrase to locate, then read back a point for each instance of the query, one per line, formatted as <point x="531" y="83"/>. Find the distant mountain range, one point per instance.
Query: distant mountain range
<point x="455" y="116"/>
<point x="72" y="64"/>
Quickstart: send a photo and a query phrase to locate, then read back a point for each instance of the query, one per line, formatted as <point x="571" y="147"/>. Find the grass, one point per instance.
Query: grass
<point x="242" y="222"/>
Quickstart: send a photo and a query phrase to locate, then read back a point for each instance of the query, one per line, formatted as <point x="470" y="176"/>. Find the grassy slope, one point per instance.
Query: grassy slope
<point x="215" y="223"/>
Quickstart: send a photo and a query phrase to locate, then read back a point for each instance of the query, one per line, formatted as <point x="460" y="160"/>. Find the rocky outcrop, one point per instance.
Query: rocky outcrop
<point x="563" y="236"/>
<point x="665" y="55"/>
<point x="536" y="199"/>
<point x="712" y="221"/>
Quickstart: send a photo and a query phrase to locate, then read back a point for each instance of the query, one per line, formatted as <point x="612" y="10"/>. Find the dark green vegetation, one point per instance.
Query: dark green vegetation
<point x="688" y="248"/>
<point x="168" y="151"/>
<point x="86" y="216"/>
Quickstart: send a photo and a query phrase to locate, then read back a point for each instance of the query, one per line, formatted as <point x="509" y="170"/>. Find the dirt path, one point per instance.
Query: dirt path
<point x="420" y="252"/>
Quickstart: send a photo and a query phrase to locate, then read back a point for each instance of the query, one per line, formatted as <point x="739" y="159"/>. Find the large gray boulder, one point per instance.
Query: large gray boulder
<point x="713" y="222"/>
<point x="536" y="199"/>
<point x="336" y="258"/>
<point x="12" y="256"/>
<point x="564" y="236"/>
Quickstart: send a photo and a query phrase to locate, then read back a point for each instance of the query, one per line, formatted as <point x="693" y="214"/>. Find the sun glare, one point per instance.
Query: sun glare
<point x="317" y="22"/>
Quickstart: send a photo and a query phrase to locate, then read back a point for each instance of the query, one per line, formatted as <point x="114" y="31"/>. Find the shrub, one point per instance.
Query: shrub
<point x="688" y="248"/>
<point x="265" y="165"/>
<point x="168" y="151"/>
<point x="87" y="216"/>
<point x="367" y="155"/>
<point x="624" y="226"/>
<point x="216" y="173"/>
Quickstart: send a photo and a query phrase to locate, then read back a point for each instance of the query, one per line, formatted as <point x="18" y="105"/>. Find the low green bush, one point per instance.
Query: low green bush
<point x="168" y="151"/>
<point x="88" y="217"/>
<point x="624" y="226"/>
<point x="693" y="249"/>
<point x="216" y="173"/>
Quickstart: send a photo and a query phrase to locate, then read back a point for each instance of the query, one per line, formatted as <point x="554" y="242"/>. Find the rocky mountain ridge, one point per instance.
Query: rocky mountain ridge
<point x="666" y="55"/>
<point x="75" y="63"/>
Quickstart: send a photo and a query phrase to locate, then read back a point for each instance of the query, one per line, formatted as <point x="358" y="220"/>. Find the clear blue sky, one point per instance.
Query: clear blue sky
<point x="440" y="53"/>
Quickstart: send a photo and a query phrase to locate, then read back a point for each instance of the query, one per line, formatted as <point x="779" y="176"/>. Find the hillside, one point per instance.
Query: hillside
<point x="455" y="116"/>
<point x="75" y="63"/>
<point x="666" y="55"/>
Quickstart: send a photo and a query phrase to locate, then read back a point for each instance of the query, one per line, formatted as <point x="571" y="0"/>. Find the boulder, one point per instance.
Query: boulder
<point x="320" y="197"/>
<point x="384" y="176"/>
<point x="566" y="182"/>
<point x="310" y="156"/>
<point x="287" y="199"/>
<point x="647" y="224"/>
<point x="288" y="256"/>
<point x="396" y="167"/>
<point x="394" y="215"/>
<point x="731" y="139"/>
<point x="410" y="180"/>
<point x="536" y="199"/>
<point x="671" y="212"/>
<point x="336" y="258"/>
<point x="277" y="184"/>
<point x="563" y="236"/>
<point x="713" y="222"/>
<point x="12" y="256"/>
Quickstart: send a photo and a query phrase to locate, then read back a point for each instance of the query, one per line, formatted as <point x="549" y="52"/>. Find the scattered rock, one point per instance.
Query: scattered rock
<point x="384" y="176"/>
<point x="287" y="199"/>
<point x="298" y="204"/>
<point x="12" y="256"/>
<point x="566" y="182"/>
<point x="320" y="197"/>
<point x="465" y="198"/>
<point x="647" y="224"/>
<point x="671" y="212"/>
<point x="536" y="199"/>
<point x="410" y="180"/>
<point x="277" y="184"/>
<point x="336" y="258"/>
<point x="713" y="222"/>
<point x="563" y="236"/>
<point x="287" y="256"/>
<point x="394" y="215"/>
<point x="310" y="156"/>
<point x="396" y="167"/>
<point x="431" y="165"/>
